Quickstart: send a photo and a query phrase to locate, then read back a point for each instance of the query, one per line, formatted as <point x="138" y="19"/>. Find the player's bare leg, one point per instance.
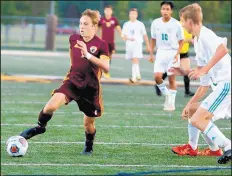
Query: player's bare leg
<point x="191" y="148"/>
<point x="201" y="119"/>
<point x="57" y="100"/>
<point x="135" y="70"/>
<point x="90" y="132"/>
<point x="160" y="83"/>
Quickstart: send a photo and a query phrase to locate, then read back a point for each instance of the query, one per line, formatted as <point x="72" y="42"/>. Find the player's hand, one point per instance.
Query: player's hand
<point x="197" y="73"/>
<point x="82" y="46"/>
<point x="152" y="58"/>
<point x="113" y="51"/>
<point x="175" y="61"/>
<point x="185" y="113"/>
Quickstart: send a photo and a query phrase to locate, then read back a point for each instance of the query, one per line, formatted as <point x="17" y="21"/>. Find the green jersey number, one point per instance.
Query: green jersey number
<point x="164" y="36"/>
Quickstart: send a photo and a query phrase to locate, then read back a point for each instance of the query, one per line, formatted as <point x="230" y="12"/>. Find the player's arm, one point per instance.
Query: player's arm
<point x="119" y="29"/>
<point x="152" y="42"/>
<point x="71" y="56"/>
<point x="147" y="43"/>
<point x="102" y="62"/>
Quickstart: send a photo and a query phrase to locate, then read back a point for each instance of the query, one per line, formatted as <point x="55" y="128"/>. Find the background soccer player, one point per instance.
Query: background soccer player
<point x="212" y="56"/>
<point x="167" y="35"/>
<point x="134" y="32"/>
<point x="89" y="56"/>
<point x="107" y="26"/>
<point x="184" y="63"/>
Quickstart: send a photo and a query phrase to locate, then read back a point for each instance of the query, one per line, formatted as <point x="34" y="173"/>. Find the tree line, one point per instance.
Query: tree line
<point x="214" y="11"/>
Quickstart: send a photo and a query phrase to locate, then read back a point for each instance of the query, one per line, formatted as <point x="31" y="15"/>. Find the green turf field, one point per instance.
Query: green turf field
<point x="134" y="135"/>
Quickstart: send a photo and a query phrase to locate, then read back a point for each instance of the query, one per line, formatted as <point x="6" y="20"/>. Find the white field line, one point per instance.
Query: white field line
<point x="106" y="126"/>
<point x="112" y="113"/>
<point x="108" y="104"/>
<point x="112" y="165"/>
<point x="105" y="143"/>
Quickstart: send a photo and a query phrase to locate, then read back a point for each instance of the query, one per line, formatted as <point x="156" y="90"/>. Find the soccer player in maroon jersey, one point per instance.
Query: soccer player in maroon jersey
<point x="89" y="56"/>
<point x="107" y="26"/>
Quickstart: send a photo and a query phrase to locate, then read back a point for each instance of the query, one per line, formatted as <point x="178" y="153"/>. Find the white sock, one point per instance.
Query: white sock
<point x="134" y="71"/>
<point x="173" y="96"/>
<point x="216" y="136"/>
<point x="193" y="133"/>
<point x="212" y="145"/>
<point x="137" y="70"/>
<point x="162" y="87"/>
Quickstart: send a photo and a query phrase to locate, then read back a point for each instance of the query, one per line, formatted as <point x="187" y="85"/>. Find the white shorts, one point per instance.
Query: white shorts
<point x="164" y="61"/>
<point x="219" y="102"/>
<point x="134" y="50"/>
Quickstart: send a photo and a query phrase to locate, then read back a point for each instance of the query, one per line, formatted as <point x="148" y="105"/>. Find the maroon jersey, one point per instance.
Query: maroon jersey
<point x="83" y="72"/>
<point x="108" y="26"/>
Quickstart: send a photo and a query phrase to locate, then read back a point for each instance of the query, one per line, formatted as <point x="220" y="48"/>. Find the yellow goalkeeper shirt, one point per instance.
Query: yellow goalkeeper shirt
<point x="185" y="47"/>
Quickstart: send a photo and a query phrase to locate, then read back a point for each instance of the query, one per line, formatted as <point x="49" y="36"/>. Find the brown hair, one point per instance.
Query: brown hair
<point x="109" y="6"/>
<point x="134" y="9"/>
<point x="93" y="14"/>
<point x="193" y="12"/>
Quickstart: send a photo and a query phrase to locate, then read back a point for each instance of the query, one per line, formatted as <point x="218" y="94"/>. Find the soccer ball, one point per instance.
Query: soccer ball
<point x="16" y="146"/>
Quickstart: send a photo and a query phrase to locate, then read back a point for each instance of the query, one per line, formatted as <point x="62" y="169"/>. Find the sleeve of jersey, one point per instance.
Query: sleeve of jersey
<point x="144" y="30"/>
<point x="104" y="51"/>
<point x="117" y="22"/>
<point x="153" y="30"/>
<point x="71" y="41"/>
<point x="212" y="42"/>
<point x="180" y="32"/>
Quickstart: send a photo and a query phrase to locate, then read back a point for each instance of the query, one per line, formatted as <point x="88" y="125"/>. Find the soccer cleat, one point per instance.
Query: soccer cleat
<point x="29" y="133"/>
<point x="169" y="108"/>
<point x="189" y="94"/>
<point x="225" y="158"/>
<point x="106" y="75"/>
<point x="208" y="152"/>
<point x="138" y="78"/>
<point x="185" y="149"/>
<point x="132" y="80"/>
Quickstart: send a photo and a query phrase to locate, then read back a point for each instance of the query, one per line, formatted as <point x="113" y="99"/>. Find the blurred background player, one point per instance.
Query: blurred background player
<point x="212" y="56"/>
<point x="134" y="32"/>
<point x="184" y="63"/>
<point x="89" y="56"/>
<point x="107" y="26"/>
<point x="167" y="35"/>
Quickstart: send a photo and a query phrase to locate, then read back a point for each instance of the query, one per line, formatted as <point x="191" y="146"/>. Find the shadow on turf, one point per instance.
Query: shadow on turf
<point x="172" y="171"/>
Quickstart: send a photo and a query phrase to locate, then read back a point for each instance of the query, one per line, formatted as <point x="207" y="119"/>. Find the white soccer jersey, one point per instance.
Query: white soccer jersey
<point x="205" y="47"/>
<point x="134" y="30"/>
<point x="207" y="80"/>
<point x="167" y="34"/>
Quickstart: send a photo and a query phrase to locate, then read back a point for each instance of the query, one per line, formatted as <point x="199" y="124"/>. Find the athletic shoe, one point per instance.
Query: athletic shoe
<point x="29" y="133"/>
<point x="185" y="149"/>
<point x="225" y="158"/>
<point x="208" y="152"/>
<point x="132" y="80"/>
<point x="189" y="94"/>
<point x="106" y="75"/>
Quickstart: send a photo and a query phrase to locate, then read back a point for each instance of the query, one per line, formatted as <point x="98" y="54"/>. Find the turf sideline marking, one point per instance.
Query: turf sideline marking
<point x="106" y="143"/>
<point x="110" y="165"/>
<point x="105" y="126"/>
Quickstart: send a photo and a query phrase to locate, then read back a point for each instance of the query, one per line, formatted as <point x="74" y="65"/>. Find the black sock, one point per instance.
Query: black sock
<point x="43" y="119"/>
<point x="186" y="84"/>
<point x="164" y="76"/>
<point x="89" y="138"/>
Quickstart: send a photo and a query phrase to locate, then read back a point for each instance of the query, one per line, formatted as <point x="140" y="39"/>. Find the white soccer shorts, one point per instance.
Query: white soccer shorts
<point x="164" y="61"/>
<point x="134" y="50"/>
<point x="219" y="101"/>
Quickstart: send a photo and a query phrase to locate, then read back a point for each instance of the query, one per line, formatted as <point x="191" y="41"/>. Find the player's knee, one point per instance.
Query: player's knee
<point x="158" y="79"/>
<point x="50" y="108"/>
<point x="194" y="121"/>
